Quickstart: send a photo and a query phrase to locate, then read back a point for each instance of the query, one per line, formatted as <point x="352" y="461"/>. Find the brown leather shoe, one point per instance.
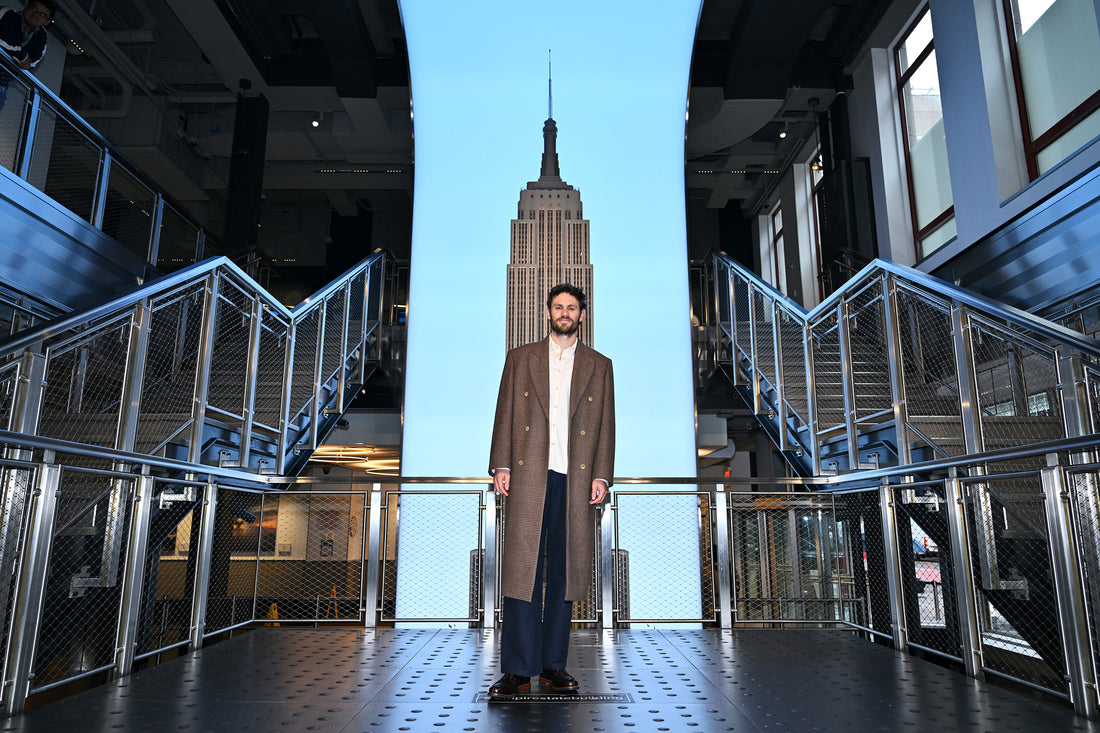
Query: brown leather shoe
<point x="558" y="679"/>
<point x="509" y="685"/>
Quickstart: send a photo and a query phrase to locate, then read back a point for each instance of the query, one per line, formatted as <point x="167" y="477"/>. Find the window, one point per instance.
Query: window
<point x="918" y="84"/>
<point x="1055" y="52"/>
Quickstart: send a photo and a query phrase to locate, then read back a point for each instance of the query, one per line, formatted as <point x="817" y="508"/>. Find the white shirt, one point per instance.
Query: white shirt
<point x="561" y="376"/>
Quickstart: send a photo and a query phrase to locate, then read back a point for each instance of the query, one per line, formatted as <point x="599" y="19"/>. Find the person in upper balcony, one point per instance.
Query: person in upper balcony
<point x="23" y="36"/>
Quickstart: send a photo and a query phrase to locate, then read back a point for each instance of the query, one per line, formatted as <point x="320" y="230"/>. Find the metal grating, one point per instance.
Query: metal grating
<point x="66" y="164"/>
<point x="128" y="211"/>
<point x="234" y="560"/>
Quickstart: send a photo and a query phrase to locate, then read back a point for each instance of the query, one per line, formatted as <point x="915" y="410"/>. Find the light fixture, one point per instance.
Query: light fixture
<point x="783" y="132"/>
<point x="317" y="119"/>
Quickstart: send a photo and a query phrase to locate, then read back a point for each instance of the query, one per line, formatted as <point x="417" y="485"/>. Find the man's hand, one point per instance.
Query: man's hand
<point x="501" y="478"/>
<point x="599" y="492"/>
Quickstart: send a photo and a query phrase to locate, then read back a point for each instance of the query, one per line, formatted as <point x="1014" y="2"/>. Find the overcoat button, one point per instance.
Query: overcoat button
<point x="589" y="399"/>
<point x="521" y="463"/>
<point x="524" y="394"/>
<point x="528" y="429"/>
<point x="582" y="466"/>
<point x="582" y="432"/>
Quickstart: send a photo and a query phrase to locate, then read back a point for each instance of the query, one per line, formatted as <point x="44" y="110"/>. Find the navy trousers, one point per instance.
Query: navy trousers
<point x="534" y="634"/>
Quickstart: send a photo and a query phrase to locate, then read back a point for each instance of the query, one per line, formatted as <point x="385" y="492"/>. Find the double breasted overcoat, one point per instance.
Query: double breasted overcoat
<point x="521" y="443"/>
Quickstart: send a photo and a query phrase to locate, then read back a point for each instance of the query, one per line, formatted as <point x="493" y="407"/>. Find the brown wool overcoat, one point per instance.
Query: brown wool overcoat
<point x="521" y="442"/>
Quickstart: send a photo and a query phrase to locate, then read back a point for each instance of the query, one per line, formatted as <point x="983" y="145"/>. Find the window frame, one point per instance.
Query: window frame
<point x="1034" y="146"/>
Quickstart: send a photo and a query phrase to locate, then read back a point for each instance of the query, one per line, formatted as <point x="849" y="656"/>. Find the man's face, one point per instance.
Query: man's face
<point x="35" y="15"/>
<point x="565" y="314"/>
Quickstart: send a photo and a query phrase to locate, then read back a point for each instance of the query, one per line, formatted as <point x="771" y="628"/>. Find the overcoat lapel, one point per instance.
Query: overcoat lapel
<point x="583" y="365"/>
<point x="539" y="369"/>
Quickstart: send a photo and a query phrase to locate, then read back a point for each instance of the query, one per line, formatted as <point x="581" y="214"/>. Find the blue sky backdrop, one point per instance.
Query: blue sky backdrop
<point x="480" y="99"/>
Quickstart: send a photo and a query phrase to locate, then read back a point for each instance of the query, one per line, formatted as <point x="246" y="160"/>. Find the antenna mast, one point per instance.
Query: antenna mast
<point x="549" y="85"/>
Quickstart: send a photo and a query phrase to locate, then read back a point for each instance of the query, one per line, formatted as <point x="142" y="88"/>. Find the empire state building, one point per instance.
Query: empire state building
<point x="549" y="246"/>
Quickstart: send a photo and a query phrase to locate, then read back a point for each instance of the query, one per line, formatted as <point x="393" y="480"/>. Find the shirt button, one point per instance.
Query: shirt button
<point x="589" y="399"/>
<point x="582" y="432"/>
<point x="582" y="465"/>
<point x="527" y="429"/>
<point x="521" y="463"/>
<point x="524" y="394"/>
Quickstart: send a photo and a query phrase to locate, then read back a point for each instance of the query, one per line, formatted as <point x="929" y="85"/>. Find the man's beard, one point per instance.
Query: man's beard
<point x="564" y="330"/>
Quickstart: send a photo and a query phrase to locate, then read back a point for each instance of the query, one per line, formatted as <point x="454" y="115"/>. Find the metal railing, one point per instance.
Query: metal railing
<point x="113" y="564"/>
<point x="898" y="367"/>
<point x="202" y="365"/>
<point x="51" y="147"/>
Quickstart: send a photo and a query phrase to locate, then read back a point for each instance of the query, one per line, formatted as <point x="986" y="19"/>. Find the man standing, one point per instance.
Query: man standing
<point x="23" y="36"/>
<point x="552" y="456"/>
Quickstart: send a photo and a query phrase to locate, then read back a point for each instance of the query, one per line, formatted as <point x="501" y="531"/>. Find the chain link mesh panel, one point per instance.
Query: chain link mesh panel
<point x="764" y="317"/>
<point x="178" y="241"/>
<point x="16" y="483"/>
<point x="12" y="115"/>
<point x="742" y="318"/>
<point x="1017" y="609"/>
<point x="792" y="349"/>
<point x="305" y="362"/>
<point x="786" y="558"/>
<point x="929" y="376"/>
<point x="927" y="568"/>
<point x="1019" y="398"/>
<point x="9" y="382"/>
<point x="870" y="355"/>
<point x="333" y="356"/>
<point x="78" y="631"/>
<point x="170" y="566"/>
<point x="84" y="381"/>
<point x="128" y="211"/>
<point x="168" y="388"/>
<point x="1092" y="393"/>
<point x="316" y="571"/>
<point x="828" y="383"/>
<point x="1084" y="490"/>
<point x="230" y="353"/>
<point x="660" y="566"/>
<point x="274" y="341"/>
<point x="357" y="315"/>
<point x="65" y="163"/>
<point x="432" y="573"/>
<point x="234" y="558"/>
<point x="863" y="561"/>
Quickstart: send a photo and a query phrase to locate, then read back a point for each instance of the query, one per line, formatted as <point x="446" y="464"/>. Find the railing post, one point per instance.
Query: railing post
<point x="754" y="357"/>
<point x="847" y="380"/>
<point x="155" y="229"/>
<point x="205" y="552"/>
<point x="780" y="384"/>
<point x="894" y="359"/>
<point x="341" y="379"/>
<point x="1069" y="591"/>
<point x="288" y="393"/>
<point x="811" y="399"/>
<point x="251" y="377"/>
<point x="489" y="563"/>
<point x="99" y="198"/>
<point x="27" y="402"/>
<point x="134" y="577"/>
<point x="31" y="586"/>
<point x="318" y="368"/>
<point x="965" y="374"/>
<point x="30" y="131"/>
<point x="374" y="557"/>
<point x="207" y="338"/>
<point x="965" y="601"/>
<point x="607" y="563"/>
<point x="722" y="544"/>
<point x="893" y="566"/>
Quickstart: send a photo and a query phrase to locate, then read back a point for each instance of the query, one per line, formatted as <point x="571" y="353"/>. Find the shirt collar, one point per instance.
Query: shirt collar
<point x="557" y="352"/>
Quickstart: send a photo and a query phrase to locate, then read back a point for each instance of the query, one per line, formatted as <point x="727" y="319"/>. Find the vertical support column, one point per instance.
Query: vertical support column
<point x="134" y="577"/>
<point x="288" y="391"/>
<point x="489" y="563"/>
<point x="722" y="543"/>
<point x="780" y="386"/>
<point x="202" y="564"/>
<point x="207" y="337"/>
<point x="893" y="566"/>
<point x="754" y="356"/>
<point x="811" y="400"/>
<point x="341" y="379"/>
<point x="318" y="367"/>
<point x="969" y="642"/>
<point x="897" y="378"/>
<point x="251" y="377"/>
<point x="967" y="379"/>
<point x="374" y="557"/>
<point x="607" y="563"/>
<point x="31" y="587"/>
<point x="1070" y="593"/>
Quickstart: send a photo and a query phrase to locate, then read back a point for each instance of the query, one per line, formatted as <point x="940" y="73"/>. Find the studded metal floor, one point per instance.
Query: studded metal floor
<point x="298" y="679"/>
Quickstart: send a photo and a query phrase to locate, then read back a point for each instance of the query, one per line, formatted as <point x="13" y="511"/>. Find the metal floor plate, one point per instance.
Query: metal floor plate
<point x="301" y="679"/>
